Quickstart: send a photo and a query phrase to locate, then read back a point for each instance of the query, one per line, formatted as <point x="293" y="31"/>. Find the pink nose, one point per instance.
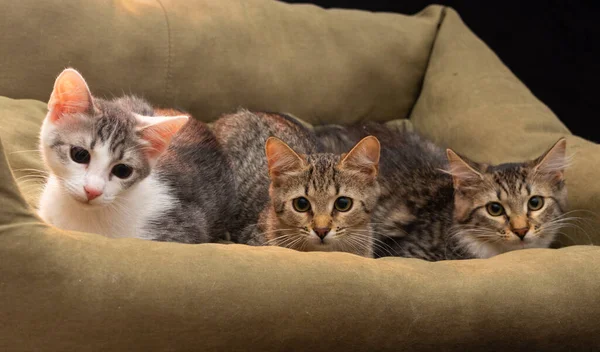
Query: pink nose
<point x="321" y="231"/>
<point x="521" y="232"/>
<point x="92" y="193"/>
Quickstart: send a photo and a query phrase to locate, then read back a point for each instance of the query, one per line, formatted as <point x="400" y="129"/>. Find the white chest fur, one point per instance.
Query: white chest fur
<point x="126" y="217"/>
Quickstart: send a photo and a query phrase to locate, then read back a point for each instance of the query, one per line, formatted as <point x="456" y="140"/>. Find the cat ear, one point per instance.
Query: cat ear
<point x="282" y="159"/>
<point x="363" y="157"/>
<point x="158" y="131"/>
<point x="554" y="161"/>
<point x="461" y="170"/>
<point x="70" y="95"/>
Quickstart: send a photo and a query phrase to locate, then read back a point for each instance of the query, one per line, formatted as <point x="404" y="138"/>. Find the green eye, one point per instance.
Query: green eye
<point x="343" y="204"/>
<point x="535" y="203"/>
<point x="495" y="209"/>
<point x="301" y="204"/>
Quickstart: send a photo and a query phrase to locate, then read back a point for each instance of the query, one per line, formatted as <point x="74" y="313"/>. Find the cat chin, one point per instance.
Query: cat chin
<point x="87" y="205"/>
<point x="315" y="244"/>
<point x="488" y="250"/>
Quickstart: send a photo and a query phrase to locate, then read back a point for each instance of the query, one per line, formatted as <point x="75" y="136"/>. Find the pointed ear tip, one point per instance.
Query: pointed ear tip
<point x="371" y="142"/>
<point x="69" y="76"/>
<point x="274" y="142"/>
<point x="371" y="139"/>
<point x="451" y="154"/>
<point x="182" y="120"/>
<point x="559" y="147"/>
<point x="271" y="140"/>
<point x="70" y="71"/>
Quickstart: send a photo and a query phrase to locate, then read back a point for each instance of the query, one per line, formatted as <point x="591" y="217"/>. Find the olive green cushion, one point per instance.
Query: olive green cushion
<point x="471" y="102"/>
<point x="73" y="291"/>
<point x="208" y="56"/>
<point x="62" y="290"/>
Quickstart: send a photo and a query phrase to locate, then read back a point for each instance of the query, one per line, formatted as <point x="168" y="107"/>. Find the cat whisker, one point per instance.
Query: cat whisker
<point x="569" y="237"/>
<point x="557" y="229"/>
<point x="589" y="212"/>
<point x="279" y="239"/>
<point x="278" y="230"/>
<point x="567" y="222"/>
<point x="382" y="247"/>
<point x="32" y="172"/>
<point x="291" y="244"/>
<point x="303" y="245"/>
<point x="25" y="151"/>
<point x="31" y="182"/>
<point x="39" y="178"/>
<point x="364" y="240"/>
<point x="283" y="239"/>
<point x="365" y="233"/>
<point x="355" y="245"/>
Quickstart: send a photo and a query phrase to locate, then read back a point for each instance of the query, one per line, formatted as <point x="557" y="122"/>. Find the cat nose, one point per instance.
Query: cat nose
<point x="321" y="231"/>
<point x="521" y="232"/>
<point x="92" y="193"/>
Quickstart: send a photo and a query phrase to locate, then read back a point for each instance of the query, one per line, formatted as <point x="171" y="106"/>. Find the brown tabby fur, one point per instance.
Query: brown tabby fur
<point x="291" y="167"/>
<point x="434" y="207"/>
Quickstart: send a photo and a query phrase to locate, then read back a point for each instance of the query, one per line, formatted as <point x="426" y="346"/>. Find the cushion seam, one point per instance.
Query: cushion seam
<point x="428" y="61"/>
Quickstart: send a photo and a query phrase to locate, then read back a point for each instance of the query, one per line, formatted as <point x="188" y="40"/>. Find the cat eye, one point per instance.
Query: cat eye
<point x="122" y="170"/>
<point x="494" y="209"/>
<point x="535" y="203"/>
<point x="301" y="204"/>
<point x="80" y="155"/>
<point x="343" y="204"/>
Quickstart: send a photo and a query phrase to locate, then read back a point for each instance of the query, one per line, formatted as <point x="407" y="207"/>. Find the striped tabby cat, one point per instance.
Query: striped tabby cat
<point x="292" y="195"/>
<point x="436" y="205"/>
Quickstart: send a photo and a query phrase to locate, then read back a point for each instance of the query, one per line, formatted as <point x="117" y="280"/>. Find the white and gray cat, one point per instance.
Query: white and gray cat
<point x="121" y="168"/>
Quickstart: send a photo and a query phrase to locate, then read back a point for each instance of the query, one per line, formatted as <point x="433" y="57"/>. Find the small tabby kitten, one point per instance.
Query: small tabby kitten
<point x="438" y="206"/>
<point x="299" y="198"/>
<point x="119" y="170"/>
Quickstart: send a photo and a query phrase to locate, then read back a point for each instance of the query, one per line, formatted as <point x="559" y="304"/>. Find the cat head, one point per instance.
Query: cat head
<point x="98" y="149"/>
<point x="509" y="206"/>
<point x="322" y="202"/>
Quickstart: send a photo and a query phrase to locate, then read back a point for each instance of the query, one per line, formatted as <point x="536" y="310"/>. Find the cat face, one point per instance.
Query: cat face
<point x="99" y="149"/>
<point x="509" y="206"/>
<point x="322" y="202"/>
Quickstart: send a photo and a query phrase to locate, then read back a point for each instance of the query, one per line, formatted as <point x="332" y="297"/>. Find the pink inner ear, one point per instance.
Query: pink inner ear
<point x="281" y="158"/>
<point x="70" y="95"/>
<point x="364" y="156"/>
<point x="554" y="161"/>
<point x="159" y="135"/>
<point x="460" y="170"/>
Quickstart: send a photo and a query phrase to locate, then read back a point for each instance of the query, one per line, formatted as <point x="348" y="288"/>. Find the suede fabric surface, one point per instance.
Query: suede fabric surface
<point x="471" y="102"/>
<point x="209" y="57"/>
<point x="69" y="291"/>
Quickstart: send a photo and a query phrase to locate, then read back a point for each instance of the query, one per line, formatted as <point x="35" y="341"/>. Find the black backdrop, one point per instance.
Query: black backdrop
<point x="549" y="45"/>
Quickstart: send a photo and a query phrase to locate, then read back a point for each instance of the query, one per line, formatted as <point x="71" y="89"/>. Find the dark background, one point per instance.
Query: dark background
<point x="549" y="45"/>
